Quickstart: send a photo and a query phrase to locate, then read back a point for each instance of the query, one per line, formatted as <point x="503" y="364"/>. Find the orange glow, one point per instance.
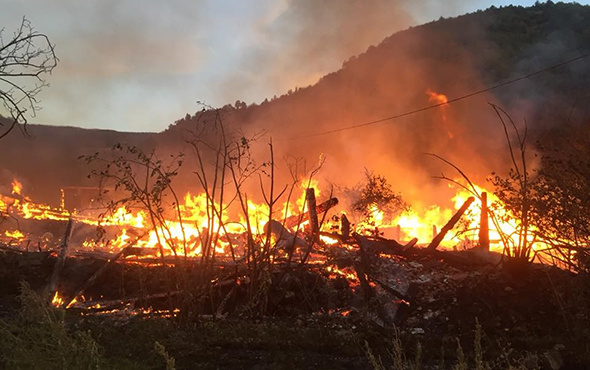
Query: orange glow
<point x="198" y="225"/>
<point x="436" y="98"/>
<point x="329" y="240"/>
<point x="348" y="273"/>
<point x="57" y="301"/>
<point x="15" y="234"/>
<point x="17" y="187"/>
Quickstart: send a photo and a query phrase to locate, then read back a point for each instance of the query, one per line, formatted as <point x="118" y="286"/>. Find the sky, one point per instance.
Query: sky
<point x="139" y="65"/>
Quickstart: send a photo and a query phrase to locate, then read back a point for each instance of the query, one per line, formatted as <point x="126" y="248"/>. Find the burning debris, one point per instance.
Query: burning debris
<point x="25" y="222"/>
<point x="353" y="261"/>
<point x="219" y="252"/>
<point x="147" y="251"/>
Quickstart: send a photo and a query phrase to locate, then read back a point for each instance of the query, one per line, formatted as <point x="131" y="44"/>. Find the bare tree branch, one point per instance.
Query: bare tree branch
<point x="25" y="59"/>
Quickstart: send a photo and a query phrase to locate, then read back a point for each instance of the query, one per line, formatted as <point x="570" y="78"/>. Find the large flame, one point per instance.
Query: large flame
<point x="198" y="222"/>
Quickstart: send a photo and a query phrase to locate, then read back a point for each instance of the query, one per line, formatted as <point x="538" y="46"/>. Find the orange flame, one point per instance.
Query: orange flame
<point x="437" y="98"/>
<point x="14" y="234"/>
<point x="57" y="301"/>
<point x="17" y="187"/>
<point x="441" y="99"/>
<point x="201" y="225"/>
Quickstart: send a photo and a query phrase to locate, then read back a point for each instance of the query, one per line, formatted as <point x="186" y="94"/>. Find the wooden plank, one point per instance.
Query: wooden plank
<point x="101" y="270"/>
<point x="312" y="211"/>
<point x="452" y="222"/>
<point x="61" y="259"/>
<point x="484" y="227"/>
<point x="295" y="220"/>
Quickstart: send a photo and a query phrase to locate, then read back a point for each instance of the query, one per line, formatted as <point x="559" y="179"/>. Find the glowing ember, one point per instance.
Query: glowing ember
<point x="57" y="301"/>
<point x="329" y="240"/>
<point x="347" y="273"/>
<point x="15" y="234"/>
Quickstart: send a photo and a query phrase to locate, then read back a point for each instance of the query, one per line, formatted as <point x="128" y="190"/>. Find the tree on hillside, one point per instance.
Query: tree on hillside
<point x="26" y="57"/>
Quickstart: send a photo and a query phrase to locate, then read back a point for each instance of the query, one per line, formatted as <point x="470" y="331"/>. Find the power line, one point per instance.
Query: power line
<point x="450" y="101"/>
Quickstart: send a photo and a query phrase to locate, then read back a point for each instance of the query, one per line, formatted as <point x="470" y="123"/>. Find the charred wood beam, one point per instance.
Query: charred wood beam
<point x="61" y="260"/>
<point x="223" y="304"/>
<point x="124" y="252"/>
<point x="321" y="208"/>
<point x="390" y="246"/>
<point x="391" y="290"/>
<point x="327" y="205"/>
<point x="484" y="227"/>
<point x="380" y="245"/>
<point x="155" y="262"/>
<point x="468" y="260"/>
<point x="312" y="211"/>
<point x="410" y="244"/>
<point x="452" y="222"/>
<point x="464" y="260"/>
<point x="285" y="239"/>
<point x="102" y="305"/>
<point x="344" y="226"/>
<point x="315" y="224"/>
<point x="109" y="304"/>
<point x="362" y="267"/>
<point x="365" y="286"/>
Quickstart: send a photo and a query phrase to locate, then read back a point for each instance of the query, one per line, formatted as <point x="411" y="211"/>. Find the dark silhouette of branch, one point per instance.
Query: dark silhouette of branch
<point x="25" y="59"/>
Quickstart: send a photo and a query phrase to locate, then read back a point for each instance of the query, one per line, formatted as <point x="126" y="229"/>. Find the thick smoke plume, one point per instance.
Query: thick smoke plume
<point x="453" y="57"/>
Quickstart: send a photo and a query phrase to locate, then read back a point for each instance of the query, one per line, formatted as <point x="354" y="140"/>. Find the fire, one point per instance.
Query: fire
<point x="17" y="187"/>
<point x="329" y="240"/>
<point x="348" y="273"/>
<point x="15" y="234"/>
<point x="376" y="214"/>
<point x="123" y="217"/>
<point x="40" y="211"/>
<point x="441" y="99"/>
<point x="423" y="224"/>
<point x="62" y="199"/>
<point x="437" y="98"/>
<point x="74" y="301"/>
<point x="198" y="224"/>
<point x="57" y="301"/>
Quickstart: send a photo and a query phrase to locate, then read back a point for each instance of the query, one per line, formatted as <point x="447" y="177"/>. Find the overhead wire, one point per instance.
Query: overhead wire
<point x="433" y="106"/>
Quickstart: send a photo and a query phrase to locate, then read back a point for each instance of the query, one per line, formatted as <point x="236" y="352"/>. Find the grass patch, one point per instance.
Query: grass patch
<point x="37" y="338"/>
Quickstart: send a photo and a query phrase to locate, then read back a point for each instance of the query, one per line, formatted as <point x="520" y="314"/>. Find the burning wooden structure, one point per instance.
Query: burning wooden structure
<point x="216" y="267"/>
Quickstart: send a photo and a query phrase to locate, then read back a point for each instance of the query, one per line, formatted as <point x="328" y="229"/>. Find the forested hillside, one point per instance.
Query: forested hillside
<point x="454" y="57"/>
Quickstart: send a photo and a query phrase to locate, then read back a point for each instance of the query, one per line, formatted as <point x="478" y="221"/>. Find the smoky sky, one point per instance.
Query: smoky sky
<point x="139" y="65"/>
